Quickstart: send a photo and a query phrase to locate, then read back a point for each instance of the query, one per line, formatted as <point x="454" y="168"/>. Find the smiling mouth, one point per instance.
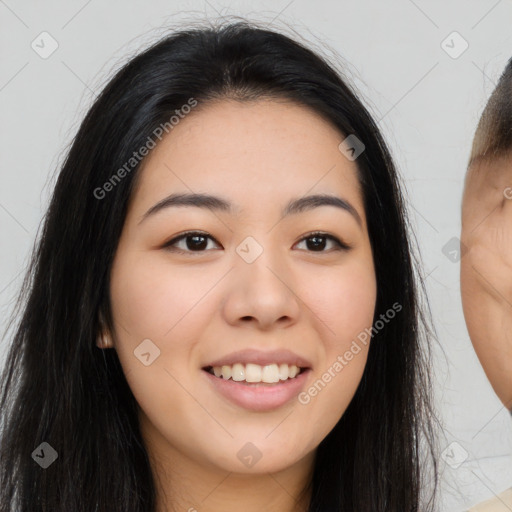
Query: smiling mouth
<point x="256" y="374"/>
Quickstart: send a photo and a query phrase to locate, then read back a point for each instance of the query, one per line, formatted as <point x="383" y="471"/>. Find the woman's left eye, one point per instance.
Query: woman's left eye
<point x="196" y="241"/>
<point x="320" y="241"/>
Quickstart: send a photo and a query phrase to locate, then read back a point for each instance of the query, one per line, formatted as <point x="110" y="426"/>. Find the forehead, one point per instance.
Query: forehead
<point x="259" y="152"/>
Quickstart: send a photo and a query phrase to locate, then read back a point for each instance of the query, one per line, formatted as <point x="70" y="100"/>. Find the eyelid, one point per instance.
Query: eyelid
<point x="342" y="246"/>
<point x="168" y="245"/>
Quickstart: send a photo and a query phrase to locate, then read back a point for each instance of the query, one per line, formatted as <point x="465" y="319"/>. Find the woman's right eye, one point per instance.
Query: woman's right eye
<point x="193" y="241"/>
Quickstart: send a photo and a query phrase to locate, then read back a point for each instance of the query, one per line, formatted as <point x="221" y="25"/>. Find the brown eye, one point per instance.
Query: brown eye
<point x="316" y="242"/>
<point x="194" y="241"/>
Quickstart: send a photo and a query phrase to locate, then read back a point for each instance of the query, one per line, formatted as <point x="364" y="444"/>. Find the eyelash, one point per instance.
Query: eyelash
<point x="342" y="246"/>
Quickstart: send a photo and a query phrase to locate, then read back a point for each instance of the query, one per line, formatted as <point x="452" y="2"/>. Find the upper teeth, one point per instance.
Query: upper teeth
<point x="255" y="373"/>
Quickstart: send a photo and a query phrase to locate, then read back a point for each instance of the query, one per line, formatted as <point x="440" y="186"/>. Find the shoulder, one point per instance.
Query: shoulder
<point x="500" y="503"/>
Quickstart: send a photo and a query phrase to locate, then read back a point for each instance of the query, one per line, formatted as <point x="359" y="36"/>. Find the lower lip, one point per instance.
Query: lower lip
<point x="259" y="397"/>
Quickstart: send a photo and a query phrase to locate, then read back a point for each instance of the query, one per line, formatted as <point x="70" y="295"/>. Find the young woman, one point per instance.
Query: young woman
<point x="486" y="267"/>
<point x="222" y="310"/>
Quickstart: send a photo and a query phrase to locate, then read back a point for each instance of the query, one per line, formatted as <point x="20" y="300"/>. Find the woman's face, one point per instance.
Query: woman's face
<point x="251" y="283"/>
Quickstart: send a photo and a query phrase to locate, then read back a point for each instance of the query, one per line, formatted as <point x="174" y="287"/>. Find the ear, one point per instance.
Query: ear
<point x="104" y="339"/>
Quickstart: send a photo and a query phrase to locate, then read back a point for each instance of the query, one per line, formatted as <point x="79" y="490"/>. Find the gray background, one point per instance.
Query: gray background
<point x="427" y="104"/>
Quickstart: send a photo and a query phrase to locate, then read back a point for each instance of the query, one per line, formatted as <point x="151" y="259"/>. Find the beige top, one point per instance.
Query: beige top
<point x="501" y="503"/>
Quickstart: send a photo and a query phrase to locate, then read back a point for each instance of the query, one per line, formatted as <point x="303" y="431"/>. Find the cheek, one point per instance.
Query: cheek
<point x="353" y="303"/>
<point x="151" y="299"/>
<point x="161" y="303"/>
<point x="344" y="305"/>
<point x="167" y="305"/>
<point x="344" y="301"/>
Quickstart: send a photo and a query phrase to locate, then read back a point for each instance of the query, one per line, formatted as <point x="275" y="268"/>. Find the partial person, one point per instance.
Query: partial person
<point x="486" y="245"/>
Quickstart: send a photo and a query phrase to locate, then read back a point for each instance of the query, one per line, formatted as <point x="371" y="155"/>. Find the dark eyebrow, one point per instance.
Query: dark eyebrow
<point x="214" y="203"/>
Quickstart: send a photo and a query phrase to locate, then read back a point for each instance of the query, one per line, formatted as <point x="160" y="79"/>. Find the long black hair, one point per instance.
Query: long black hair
<point x="59" y="388"/>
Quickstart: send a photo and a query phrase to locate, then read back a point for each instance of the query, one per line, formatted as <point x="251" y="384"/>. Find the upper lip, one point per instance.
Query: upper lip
<point x="261" y="358"/>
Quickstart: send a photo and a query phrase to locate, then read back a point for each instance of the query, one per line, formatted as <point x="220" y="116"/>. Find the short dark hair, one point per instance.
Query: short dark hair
<point x="493" y="136"/>
<point x="57" y="387"/>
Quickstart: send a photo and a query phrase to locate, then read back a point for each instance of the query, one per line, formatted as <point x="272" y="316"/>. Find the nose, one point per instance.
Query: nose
<point x="261" y="294"/>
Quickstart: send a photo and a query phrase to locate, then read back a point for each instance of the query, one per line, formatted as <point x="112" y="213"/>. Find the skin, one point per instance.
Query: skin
<point x="207" y="303"/>
<point x="486" y="268"/>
